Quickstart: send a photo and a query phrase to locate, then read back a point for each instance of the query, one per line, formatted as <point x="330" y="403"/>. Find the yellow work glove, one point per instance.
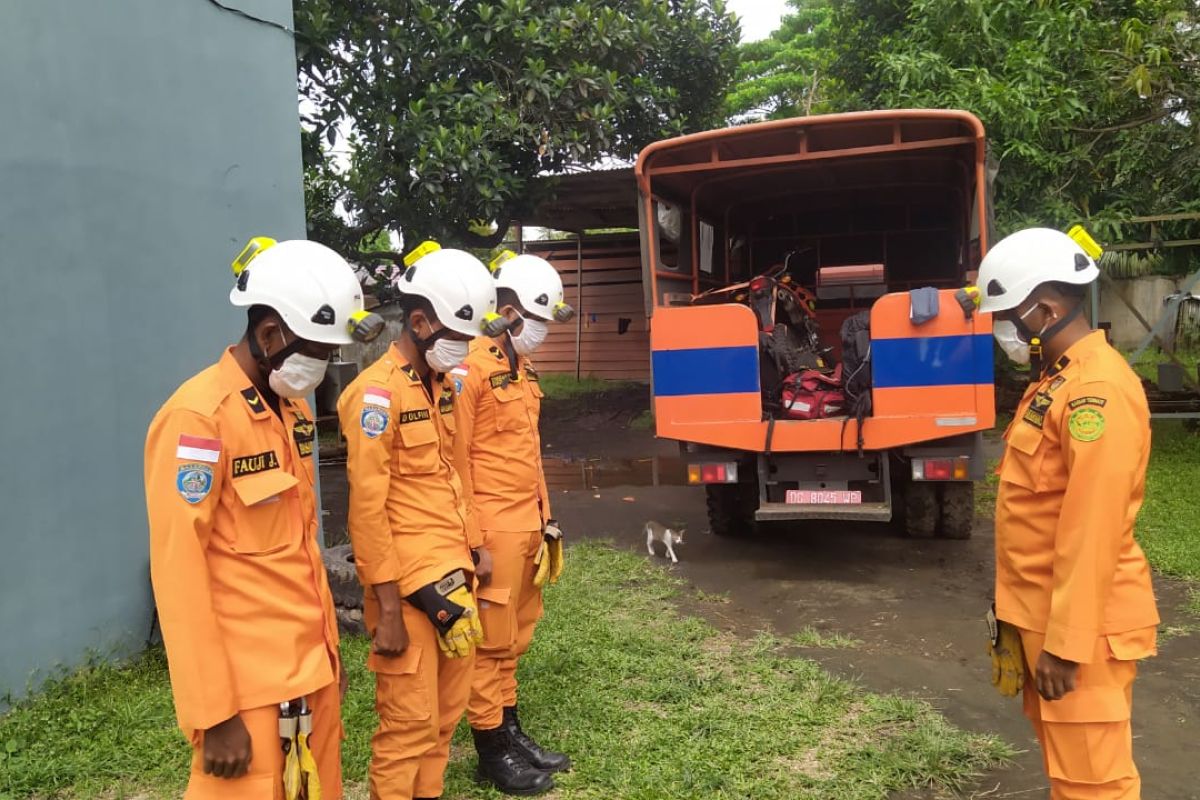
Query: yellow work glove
<point x="466" y="632"/>
<point x="451" y="608"/>
<point x="549" y="558"/>
<point x="308" y="769"/>
<point x="291" y="772"/>
<point x="1008" y="657"/>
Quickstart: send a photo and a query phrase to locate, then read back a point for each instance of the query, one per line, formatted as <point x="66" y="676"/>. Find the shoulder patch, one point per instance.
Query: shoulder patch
<point x="1079" y="402"/>
<point x="198" y="448"/>
<point x="194" y="481"/>
<point x="377" y="396"/>
<point x="251" y="465"/>
<point x="1086" y="424"/>
<point x="417" y="415"/>
<point x="374" y="421"/>
<point x="250" y="395"/>
<point x="410" y="372"/>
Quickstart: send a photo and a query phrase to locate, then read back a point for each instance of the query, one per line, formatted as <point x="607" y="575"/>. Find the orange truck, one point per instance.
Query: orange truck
<point x="821" y="227"/>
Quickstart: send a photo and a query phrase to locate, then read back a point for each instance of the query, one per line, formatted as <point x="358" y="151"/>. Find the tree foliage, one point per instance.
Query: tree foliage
<point x="456" y="106"/>
<point x="1089" y="104"/>
<point x="785" y="74"/>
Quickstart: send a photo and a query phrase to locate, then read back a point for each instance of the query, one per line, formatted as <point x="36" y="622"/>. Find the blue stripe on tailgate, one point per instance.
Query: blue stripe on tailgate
<point x="706" y="370"/>
<point x="932" y="361"/>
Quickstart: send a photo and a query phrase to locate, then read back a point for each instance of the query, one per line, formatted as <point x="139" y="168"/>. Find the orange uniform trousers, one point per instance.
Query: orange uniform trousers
<point x="264" y="780"/>
<point x="509" y="608"/>
<point x="420" y="697"/>
<point x="1086" y="737"/>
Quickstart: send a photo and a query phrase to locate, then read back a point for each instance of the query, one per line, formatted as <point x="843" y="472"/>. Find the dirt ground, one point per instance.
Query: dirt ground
<point x="916" y="606"/>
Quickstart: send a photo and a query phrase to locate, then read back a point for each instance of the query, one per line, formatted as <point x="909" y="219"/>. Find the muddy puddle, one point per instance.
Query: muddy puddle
<point x="586" y="474"/>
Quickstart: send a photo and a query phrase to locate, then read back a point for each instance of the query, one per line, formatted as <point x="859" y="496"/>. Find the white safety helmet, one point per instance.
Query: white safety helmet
<point x="457" y="285"/>
<point x="1020" y="263"/>
<point x="536" y="284"/>
<point x="311" y="287"/>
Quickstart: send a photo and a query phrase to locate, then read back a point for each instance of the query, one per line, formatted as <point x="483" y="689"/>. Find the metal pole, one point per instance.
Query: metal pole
<point x="578" y="304"/>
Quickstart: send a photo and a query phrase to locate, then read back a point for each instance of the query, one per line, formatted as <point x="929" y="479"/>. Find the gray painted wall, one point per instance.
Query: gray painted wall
<point x="141" y="143"/>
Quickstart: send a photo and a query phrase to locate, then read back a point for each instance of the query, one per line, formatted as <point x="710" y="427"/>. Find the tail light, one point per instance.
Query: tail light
<point x="941" y="469"/>
<point x="721" y="472"/>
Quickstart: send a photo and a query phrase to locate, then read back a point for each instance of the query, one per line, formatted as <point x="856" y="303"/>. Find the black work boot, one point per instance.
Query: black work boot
<point x="504" y="766"/>
<point x="545" y="760"/>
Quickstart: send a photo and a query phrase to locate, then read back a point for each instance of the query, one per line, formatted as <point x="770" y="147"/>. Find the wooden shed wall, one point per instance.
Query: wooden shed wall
<point x="610" y="292"/>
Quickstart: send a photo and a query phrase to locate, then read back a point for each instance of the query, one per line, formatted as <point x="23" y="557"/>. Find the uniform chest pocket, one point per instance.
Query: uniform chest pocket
<point x="418" y="453"/>
<point x="1025" y="455"/>
<point x="265" y="520"/>
<point x="511" y="413"/>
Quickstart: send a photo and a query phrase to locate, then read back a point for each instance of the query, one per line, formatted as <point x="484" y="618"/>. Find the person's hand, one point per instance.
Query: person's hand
<point x="1055" y="676"/>
<point x="391" y="637"/>
<point x="227" y="751"/>
<point x="343" y="682"/>
<point x="483" y="570"/>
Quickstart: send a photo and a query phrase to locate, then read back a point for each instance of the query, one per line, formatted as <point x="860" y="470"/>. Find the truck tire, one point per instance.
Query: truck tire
<point x="920" y="510"/>
<point x="731" y="508"/>
<point x="958" y="510"/>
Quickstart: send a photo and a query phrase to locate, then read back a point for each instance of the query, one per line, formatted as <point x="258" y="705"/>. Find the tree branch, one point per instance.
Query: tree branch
<point x="1166" y="112"/>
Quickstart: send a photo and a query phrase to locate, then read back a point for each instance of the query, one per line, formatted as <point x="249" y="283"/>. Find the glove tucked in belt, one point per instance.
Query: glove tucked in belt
<point x="1008" y="656"/>
<point x="549" y="558"/>
<point x="300" y="778"/>
<point x="451" y="608"/>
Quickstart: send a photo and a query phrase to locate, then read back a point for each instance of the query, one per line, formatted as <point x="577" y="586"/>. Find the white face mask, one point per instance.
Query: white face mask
<point x="446" y="354"/>
<point x="298" y="376"/>
<point x="1013" y="346"/>
<point x="533" y="333"/>
<point x="1010" y="341"/>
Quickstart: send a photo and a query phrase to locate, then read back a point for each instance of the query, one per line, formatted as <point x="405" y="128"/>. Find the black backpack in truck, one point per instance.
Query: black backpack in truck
<point x="856" y="370"/>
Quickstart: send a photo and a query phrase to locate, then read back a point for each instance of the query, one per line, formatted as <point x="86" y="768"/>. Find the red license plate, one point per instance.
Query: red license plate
<point x="810" y="497"/>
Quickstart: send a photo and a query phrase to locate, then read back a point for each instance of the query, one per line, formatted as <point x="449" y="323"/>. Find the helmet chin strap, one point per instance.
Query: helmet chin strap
<point x="1038" y="340"/>
<point x="423" y="345"/>
<point x="272" y="362"/>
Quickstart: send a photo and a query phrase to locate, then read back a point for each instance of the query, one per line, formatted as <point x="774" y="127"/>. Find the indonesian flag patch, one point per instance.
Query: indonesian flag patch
<point x="375" y="396"/>
<point x="196" y="448"/>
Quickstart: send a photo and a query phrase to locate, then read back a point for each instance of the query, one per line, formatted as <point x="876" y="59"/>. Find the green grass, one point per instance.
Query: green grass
<point x="986" y="490"/>
<point x="650" y="705"/>
<point x="1169" y="524"/>
<point x="643" y="421"/>
<point x="811" y="637"/>
<point x="1147" y="364"/>
<point x="564" y="387"/>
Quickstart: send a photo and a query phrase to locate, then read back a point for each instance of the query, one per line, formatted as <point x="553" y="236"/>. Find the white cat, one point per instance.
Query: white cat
<point x="656" y="532"/>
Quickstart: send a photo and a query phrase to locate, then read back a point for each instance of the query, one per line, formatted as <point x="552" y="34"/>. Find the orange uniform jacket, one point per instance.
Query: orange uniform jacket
<point x="408" y="519"/>
<point x="1071" y="483"/>
<point x="246" y="612"/>
<point x="499" y="448"/>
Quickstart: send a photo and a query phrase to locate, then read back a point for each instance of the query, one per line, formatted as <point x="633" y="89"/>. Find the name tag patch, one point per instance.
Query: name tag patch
<point x="194" y="481"/>
<point x="499" y="380"/>
<point x="414" y="416"/>
<point x="259" y="462"/>
<point x="446" y="401"/>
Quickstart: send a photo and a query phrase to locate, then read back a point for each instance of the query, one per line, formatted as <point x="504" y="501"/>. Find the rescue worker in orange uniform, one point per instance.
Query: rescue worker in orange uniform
<point x="1074" y="602"/>
<point x="500" y="459"/>
<point x="244" y="605"/>
<point x="415" y="545"/>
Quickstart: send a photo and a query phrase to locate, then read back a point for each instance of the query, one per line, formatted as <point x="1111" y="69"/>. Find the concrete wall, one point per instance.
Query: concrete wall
<point x="143" y="142"/>
<point x="1146" y="295"/>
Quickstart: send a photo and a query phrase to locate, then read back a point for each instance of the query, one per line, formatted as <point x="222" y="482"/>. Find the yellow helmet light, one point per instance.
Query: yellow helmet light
<point x="420" y="251"/>
<point x="1086" y="242"/>
<point x="253" y="247"/>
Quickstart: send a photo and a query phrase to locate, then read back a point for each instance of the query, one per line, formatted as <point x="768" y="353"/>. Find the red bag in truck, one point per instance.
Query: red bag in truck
<point x="812" y="394"/>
